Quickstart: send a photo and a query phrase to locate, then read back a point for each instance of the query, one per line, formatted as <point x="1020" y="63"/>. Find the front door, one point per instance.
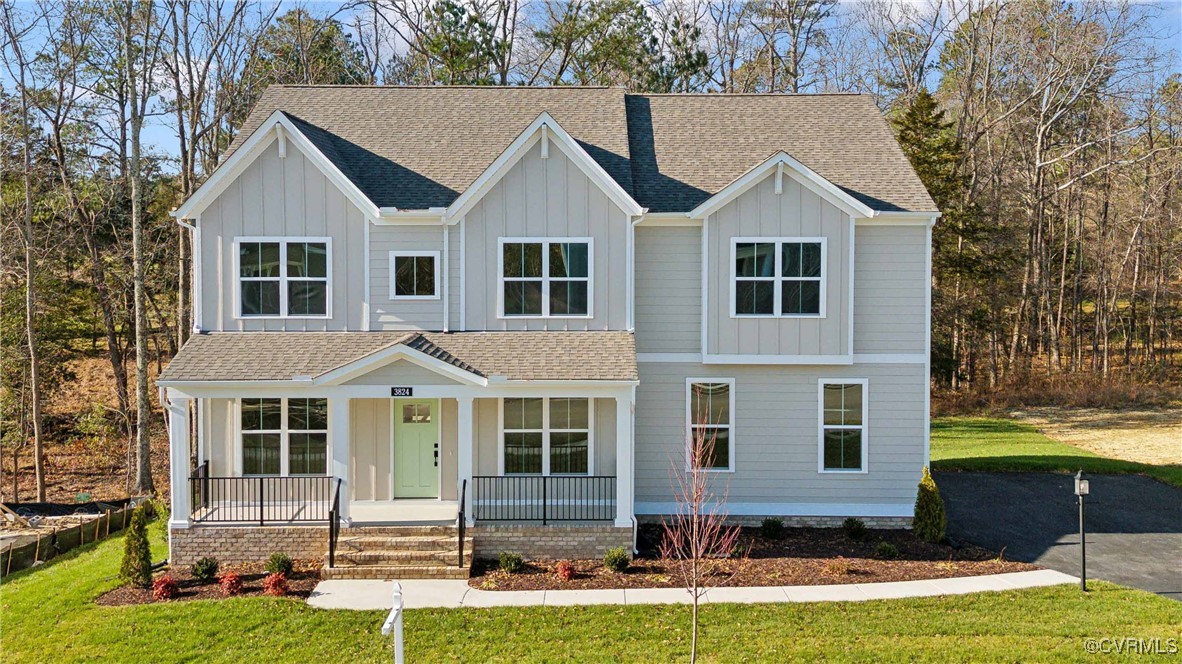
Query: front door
<point x="416" y="448"/>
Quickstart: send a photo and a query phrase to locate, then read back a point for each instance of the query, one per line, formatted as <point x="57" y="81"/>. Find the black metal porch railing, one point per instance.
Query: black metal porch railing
<point x="334" y="525"/>
<point x="545" y="499"/>
<point x="259" y="500"/>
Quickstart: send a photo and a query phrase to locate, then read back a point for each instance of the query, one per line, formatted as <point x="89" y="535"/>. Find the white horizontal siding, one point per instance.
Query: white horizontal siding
<point x="776" y="433"/>
<point x="387" y="314"/>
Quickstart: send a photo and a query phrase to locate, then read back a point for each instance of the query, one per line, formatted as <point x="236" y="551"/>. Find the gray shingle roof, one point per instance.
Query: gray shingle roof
<point x="420" y="147"/>
<point x="262" y="356"/>
<point x="685" y="148"/>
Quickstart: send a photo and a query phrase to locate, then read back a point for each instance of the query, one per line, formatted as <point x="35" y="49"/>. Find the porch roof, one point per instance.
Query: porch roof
<point x="287" y="356"/>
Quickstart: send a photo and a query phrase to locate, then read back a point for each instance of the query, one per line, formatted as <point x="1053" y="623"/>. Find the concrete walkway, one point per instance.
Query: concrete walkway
<point x="451" y="594"/>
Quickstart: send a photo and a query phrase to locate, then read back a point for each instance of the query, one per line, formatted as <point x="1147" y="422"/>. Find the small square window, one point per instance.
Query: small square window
<point x="414" y="275"/>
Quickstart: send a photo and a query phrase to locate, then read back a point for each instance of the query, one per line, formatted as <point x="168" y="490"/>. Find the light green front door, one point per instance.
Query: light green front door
<point x="416" y="448"/>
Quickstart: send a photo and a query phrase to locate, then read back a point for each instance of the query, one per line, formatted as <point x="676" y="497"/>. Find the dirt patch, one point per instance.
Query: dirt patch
<point x="85" y="452"/>
<point x="805" y="557"/>
<point x="1145" y="436"/>
<point x="300" y="584"/>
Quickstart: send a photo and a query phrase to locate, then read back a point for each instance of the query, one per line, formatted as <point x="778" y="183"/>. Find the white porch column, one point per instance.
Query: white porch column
<point x="466" y="452"/>
<point x="338" y="436"/>
<point x="178" y="457"/>
<point x="625" y="466"/>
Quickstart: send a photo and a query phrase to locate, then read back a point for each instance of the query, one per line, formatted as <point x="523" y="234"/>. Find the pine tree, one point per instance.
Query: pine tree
<point x="136" y="569"/>
<point x="929" y="521"/>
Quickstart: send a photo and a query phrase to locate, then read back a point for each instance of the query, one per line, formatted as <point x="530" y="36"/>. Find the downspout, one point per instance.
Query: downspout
<point x="195" y="274"/>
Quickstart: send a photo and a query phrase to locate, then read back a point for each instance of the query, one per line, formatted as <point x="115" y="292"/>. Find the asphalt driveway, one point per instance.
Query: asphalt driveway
<point x="1134" y="524"/>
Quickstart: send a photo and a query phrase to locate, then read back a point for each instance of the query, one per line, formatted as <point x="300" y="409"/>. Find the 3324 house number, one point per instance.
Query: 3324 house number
<point x="402" y="391"/>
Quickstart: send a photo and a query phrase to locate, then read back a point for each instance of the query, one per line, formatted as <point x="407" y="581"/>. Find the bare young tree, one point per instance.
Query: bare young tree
<point x="696" y="538"/>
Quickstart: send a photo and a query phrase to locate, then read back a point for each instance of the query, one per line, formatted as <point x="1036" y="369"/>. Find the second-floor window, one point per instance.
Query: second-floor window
<point x="414" y="275"/>
<point x="778" y="277"/>
<point x="283" y="278"/>
<point x="546" y="278"/>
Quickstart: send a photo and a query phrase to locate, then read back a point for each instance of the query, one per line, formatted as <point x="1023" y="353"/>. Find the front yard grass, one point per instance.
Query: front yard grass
<point x="998" y="444"/>
<point x="48" y="614"/>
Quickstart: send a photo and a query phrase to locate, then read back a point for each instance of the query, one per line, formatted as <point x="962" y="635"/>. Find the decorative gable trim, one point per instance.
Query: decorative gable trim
<point x="546" y="129"/>
<point x="394" y="353"/>
<point x="782" y="164"/>
<point x="277" y="127"/>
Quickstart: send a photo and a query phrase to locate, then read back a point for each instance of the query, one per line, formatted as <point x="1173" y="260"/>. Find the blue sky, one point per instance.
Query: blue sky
<point x="160" y="138"/>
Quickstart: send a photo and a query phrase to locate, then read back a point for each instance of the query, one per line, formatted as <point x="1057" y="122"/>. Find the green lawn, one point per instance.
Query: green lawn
<point x="996" y="444"/>
<point x="48" y="615"/>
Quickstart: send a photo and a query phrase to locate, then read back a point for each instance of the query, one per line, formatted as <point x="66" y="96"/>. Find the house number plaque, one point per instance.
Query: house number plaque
<point x="402" y="391"/>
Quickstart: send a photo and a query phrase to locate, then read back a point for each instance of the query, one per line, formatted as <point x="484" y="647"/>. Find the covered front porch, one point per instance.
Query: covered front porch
<point x="408" y="434"/>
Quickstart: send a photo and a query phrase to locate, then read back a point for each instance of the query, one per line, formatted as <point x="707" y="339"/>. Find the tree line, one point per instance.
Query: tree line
<point x="1048" y="133"/>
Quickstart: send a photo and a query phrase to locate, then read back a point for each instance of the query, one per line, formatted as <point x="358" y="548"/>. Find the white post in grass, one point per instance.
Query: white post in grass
<point x="394" y="624"/>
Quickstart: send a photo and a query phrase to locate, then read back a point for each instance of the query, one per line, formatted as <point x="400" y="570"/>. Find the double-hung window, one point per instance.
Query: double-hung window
<point x="778" y="277"/>
<point x="414" y="275"/>
<point x="842" y="433"/>
<point x="710" y="408"/>
<point x="545" y="278"/>
<point x="283" y="278"/>
<point x="546" y="436"/>
<point x="284" y="436"/>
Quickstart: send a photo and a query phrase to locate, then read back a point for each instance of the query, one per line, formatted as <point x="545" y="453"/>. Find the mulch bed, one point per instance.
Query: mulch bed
<point x="300" y="584"/>
<point x="805" y="556"/>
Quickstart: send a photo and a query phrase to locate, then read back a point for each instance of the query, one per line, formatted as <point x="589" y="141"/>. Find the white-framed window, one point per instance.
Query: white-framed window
<point x="283" y="436"/>
<point x="778" y="277"/>
<point x="283" y="277"/>
<point x="545" y="277"/>
<point x="546" y="436"/>
<point x="710" y="418"/>
<point x="842" y="410"/>
<point x="414" y="275"/>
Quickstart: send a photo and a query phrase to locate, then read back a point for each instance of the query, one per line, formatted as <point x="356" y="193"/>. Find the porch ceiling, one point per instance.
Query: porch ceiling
<point x="307" y="356"/>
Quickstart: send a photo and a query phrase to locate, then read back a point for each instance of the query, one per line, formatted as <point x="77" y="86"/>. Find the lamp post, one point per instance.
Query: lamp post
<point x="1081" y="490"/>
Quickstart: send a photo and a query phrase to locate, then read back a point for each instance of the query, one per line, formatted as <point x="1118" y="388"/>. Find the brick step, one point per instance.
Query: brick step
<point x="402" y="558"/>
<point x="401" y="531"/>
<point x="411" y="543"/>
<point x="394" y="572"/>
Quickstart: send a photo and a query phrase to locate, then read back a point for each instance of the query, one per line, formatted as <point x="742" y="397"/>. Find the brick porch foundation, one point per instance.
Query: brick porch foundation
<point x="246" y="544"/>
<point x="548" y="542"/>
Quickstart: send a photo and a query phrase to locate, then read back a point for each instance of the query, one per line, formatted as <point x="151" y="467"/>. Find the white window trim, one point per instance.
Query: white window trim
<point x="545" y="278"/>
<point x="689" y="421"/>
<point x="284" y="442"/>
<point x="283" y="241"/>
<point x="778" y="277"/>
<point x="546" y="431"/>
<point x="864" y="427"/>
<point x="435" y="255"/>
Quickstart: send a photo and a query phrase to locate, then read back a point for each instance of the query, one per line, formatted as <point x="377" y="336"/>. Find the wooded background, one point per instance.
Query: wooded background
<point x="1047" y="132"/>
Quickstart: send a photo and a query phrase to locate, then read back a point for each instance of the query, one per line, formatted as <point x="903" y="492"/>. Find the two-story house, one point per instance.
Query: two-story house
<point x="512" y="307"/>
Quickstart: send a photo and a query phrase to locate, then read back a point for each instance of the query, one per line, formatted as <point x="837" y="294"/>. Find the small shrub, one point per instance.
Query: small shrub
<point x="275" y="584"/>
<point x="886" y="551"/>
<point x="617" y="559"/>
<point x="839" y="566"/>
<point x="280" y="563"/>
<point x="772" y="529"/>
<point x="854" y="528"/>
<point x="164" y="588"/>
<point x="930" y="520"/>
<point x="510" y="562"/>
<point x="205" y="570"/>
<point x="564" y="570"/>
<point x="231" y="584"/>
<point x="136" y="569"/>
